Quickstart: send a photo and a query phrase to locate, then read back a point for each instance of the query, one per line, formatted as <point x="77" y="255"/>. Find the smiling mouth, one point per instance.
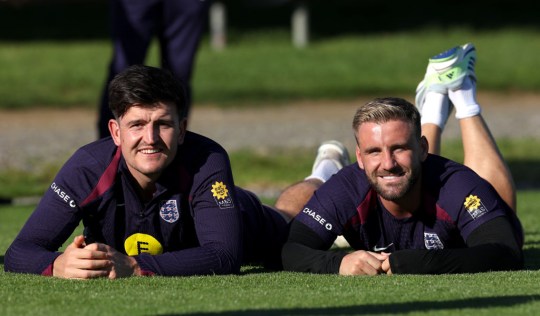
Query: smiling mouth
<point x="150" y="151"/>
<point x="392" y="177"/>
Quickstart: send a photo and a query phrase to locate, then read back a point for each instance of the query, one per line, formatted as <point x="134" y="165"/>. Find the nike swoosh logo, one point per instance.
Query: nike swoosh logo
<point x="377" y="249"/>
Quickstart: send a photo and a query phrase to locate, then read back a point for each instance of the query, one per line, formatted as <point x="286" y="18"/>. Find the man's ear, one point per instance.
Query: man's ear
<point x="182" y="131"/>
<point x="424" y="147"/>
<point x="114" y="129"/>
<point x="359" y="158"/>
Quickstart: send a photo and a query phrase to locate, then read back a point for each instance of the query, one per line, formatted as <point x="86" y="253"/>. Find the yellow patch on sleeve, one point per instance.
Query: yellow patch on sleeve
<point x="472" y="202"/>
<point x="219" y="190"/>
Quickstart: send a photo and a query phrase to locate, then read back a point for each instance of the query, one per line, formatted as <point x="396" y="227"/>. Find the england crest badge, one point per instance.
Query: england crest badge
<point x="432" y="241"/>
<point x="169" y="211"/>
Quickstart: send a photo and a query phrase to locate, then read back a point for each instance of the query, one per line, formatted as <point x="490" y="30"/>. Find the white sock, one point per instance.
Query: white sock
<point x="435" y="109"/>
<point x="464" y="99"/>
<point x="324" y="170"/>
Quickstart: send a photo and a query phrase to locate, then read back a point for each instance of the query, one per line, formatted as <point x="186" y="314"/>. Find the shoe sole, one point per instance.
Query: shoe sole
<point x="335" y="145"/>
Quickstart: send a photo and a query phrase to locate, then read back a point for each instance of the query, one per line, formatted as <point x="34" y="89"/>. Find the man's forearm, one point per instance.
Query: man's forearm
<point x="297" y="257"/>
<point x="193" y="261"/>
<point x="481" y="258"/>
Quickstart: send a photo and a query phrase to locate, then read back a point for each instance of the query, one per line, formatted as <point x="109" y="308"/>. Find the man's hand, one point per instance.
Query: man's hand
<point x="78" y="262"/>
<point x="363" y="262"/>
<point x="93" y="261"/>
<point x="122" y="265"/>
<point x="386" y="266"/>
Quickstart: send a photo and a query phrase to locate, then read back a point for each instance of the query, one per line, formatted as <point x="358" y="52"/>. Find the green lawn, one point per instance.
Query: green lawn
<point x="262" y="67"/>
<point x="259" y="292"/>
<point x="56" y="53"/>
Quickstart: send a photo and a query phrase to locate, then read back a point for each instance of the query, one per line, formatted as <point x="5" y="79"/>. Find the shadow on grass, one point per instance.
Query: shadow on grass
<point x="255" y="270"/>
<point x="1" y="259"/>
<point x="532" y="259"/>
<point x="394" y="308"/>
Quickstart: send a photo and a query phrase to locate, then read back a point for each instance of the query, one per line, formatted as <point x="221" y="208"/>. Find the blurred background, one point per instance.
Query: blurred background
<point x="55" y="53"/>
<point x="267" y="74"/>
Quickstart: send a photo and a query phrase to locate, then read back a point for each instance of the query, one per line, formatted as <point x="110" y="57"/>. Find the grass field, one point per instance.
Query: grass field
<point x="259" y="292"/>
<point x="264" y="68"/>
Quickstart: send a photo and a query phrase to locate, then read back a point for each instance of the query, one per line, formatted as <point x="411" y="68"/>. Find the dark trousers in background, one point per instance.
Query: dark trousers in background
<point x="177" y="24"/>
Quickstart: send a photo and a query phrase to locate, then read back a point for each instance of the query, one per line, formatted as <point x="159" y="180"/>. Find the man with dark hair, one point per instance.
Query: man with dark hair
<point x="155" y="199"/>
<point x="400" y="207"/>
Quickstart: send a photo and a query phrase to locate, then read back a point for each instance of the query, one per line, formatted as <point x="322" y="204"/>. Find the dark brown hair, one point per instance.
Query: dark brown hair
<point x="145" y="86"/>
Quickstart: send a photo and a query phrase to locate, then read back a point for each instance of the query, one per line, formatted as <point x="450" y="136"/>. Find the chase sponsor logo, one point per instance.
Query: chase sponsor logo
<point x="62" y="194"/>
<point x="169" y="211"/>
<point x="474" y="206"/>
<point x="318" y="218"/>
<point x="142" y="243"/>
<point x="432" y="241"/>
<point x="221" y="195"/>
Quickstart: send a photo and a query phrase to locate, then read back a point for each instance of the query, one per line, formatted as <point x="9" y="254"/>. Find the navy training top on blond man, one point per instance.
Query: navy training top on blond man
<point x="457" y="204"/>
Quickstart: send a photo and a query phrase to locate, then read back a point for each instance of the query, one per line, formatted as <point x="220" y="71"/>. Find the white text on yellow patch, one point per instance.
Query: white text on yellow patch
<point x="474" y="206"/>
<point x="221" y="195"/>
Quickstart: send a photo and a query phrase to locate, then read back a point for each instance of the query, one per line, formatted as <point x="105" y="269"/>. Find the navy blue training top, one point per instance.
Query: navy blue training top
<point x="455" y="202"/>
<point x="193" y="224"/>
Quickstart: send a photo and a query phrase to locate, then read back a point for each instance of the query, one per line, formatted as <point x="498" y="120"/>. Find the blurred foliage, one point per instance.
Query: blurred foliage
<point x="88" y="19"/>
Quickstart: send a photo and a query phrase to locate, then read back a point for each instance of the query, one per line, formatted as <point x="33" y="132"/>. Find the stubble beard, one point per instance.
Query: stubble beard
<point x="395" y="192"/>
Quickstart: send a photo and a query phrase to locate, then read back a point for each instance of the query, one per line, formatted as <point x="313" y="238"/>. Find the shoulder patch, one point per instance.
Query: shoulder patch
<point x="221" y="195"/>
<point x="473" y="204"/>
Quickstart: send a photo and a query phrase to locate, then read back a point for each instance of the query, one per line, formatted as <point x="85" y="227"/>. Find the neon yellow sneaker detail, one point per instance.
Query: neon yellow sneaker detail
<point x="446" y="71"/>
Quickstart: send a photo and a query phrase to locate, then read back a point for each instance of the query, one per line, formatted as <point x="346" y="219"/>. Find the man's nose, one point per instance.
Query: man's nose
<point x="151" y="134"/>
<point x="388" y="160"/>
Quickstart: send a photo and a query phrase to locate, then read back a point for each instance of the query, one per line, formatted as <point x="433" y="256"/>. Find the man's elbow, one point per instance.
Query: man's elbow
<point x="230" y="262"/>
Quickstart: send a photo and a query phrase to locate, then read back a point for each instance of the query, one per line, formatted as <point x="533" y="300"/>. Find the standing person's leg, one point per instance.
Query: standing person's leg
<point x="133" y="24"/>
<point x="184" y="22"/>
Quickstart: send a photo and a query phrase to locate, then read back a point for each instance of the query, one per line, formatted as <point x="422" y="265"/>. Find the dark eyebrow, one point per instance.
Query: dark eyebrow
<point x="404" y="145"/>
<point x="133" y="122"/>
<point x="165" y="120"/>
